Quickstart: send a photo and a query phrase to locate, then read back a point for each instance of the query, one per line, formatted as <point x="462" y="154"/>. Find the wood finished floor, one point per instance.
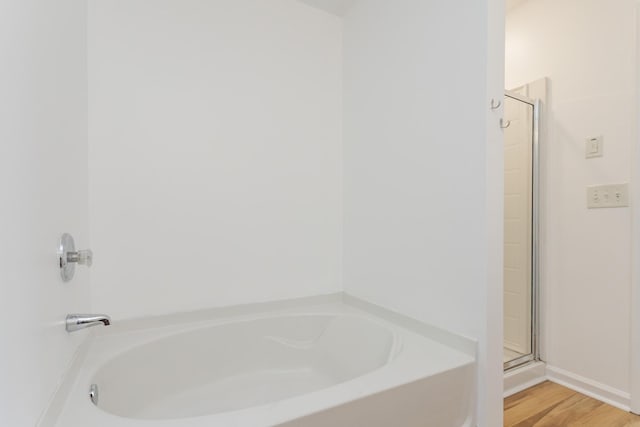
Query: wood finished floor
<point x="551" y="405"/>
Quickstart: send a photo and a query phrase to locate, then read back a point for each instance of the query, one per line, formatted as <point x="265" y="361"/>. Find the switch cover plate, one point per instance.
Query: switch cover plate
<point x="608" y="196"/>
<point x="594" y="147"/>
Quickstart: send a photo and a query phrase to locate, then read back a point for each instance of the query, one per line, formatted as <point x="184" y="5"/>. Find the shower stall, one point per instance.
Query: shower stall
<point x="521" y="222"/>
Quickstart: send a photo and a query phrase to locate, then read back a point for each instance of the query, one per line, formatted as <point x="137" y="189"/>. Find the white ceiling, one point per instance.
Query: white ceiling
<point x="335" y="7"/>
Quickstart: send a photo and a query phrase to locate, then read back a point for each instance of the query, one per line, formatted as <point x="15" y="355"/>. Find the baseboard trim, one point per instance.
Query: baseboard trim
<point x="591" y="388"/>
<point x="524" y="377"/>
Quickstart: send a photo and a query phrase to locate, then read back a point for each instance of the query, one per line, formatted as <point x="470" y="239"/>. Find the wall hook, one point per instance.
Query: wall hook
<point x="505" y="124"/>
<point x="495" y="104"/>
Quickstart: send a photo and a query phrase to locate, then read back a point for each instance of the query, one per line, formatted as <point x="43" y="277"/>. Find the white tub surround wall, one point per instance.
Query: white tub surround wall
<point x="43" y="183"/>
<point x="402" y="143"/>
<point x="215" y="153"/>
<point x="423" y="170"/>
<point x="216" y="159"/>
<point x="587" y="49"/>
<point x="313" y="363"/>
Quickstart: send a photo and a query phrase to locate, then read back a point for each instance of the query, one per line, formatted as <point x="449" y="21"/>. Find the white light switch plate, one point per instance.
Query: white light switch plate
<point x="608" y="196"/>
<point x="594" y="147"/>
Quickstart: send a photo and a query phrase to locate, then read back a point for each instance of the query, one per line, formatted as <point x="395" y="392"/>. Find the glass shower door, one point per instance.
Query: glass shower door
<point x="520" y="229"/>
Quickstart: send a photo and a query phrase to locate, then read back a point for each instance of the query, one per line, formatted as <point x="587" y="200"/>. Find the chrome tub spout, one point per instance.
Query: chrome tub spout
<point x="75" y="322"/>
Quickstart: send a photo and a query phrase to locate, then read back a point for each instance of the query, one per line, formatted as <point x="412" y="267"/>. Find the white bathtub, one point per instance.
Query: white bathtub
<point x="319" y="365"/>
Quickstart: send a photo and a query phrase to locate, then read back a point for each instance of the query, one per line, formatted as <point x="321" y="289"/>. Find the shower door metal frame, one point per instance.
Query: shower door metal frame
<point x="535" y="237"/>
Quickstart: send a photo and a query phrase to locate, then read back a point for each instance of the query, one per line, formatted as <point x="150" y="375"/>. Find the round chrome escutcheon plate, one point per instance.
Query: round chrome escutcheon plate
<point x="67" y="269"/>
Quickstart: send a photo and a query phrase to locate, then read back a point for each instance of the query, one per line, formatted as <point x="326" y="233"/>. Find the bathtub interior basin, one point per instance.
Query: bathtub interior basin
<point x="242" y="364"/>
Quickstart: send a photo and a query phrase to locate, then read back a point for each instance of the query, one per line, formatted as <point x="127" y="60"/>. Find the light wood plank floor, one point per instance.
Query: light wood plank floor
<point x="551" y="405"/>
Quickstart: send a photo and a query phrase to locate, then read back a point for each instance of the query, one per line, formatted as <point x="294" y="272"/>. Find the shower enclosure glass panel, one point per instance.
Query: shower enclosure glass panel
<point x="520" y="228"/>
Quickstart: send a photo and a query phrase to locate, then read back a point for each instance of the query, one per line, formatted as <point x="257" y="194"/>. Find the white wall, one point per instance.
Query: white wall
<point x="195" y="200"/>
<point x="417" y="238"/>
<point x="587" y="49"/>
<point x="43" y="183"/>
<point x="215" y="153"/>
<point x="414" y="217"/>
